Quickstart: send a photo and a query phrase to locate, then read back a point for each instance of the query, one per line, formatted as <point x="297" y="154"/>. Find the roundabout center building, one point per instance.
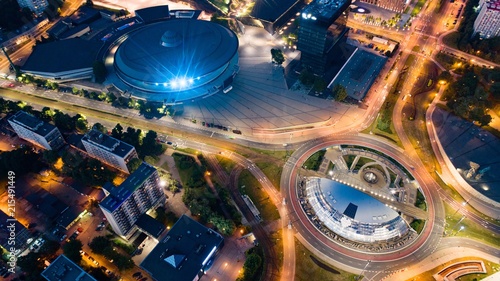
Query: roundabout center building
<point x="353" y="214"/>
<point x="175" y="60"/>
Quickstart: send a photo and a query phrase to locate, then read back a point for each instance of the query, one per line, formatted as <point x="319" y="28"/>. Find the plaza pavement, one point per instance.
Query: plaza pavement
<point x="260" y="99"/>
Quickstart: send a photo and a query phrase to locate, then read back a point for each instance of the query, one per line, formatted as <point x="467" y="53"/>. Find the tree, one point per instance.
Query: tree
<point x="252" y="264"/>
<point x="319" y="84"/>
<point x="485" y="120"/>
<point x="72" y="250"/>
<point x="339" y="92"/>
<point x="132" y="137"/>
<point x="50" y="156"/>
<point x="99" y="244"/>
<point x="306" y="77"/>
<point x="277" y="56"/>
<point x="117" y="132"/>
<point x="100" y="127"/>
<point x="495" y="90"/>
<point x="445" y="76"/>
<point x="81" y="123"/>
<point x="31" y="263"/>
<point x="133" y="164"/>
<point x="149" y="145"/>
<point x="100" y="71"/>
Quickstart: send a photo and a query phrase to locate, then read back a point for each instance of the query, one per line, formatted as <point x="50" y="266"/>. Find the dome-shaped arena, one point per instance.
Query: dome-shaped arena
<point x="353" y="214"/>
<point x="177" y="59"/>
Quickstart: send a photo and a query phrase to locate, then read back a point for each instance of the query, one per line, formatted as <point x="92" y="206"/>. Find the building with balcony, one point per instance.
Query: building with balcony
<point x="322" y="25"/>
<point x="109" y="150"/>
<point x="139" y="193"/>
<point x="487" y="23"/>
<point x="36" y="131"/>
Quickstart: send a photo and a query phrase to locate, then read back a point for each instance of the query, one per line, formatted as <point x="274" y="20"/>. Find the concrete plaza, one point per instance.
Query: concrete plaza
<point x="260" y="99"/>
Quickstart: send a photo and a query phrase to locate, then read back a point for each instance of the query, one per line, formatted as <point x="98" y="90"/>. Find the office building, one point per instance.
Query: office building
<point x="140" y="192"/>
<point x="36" y="6"/>
<point x="487" y="23"/>
<point x="63" y="269"/>
<point x="322" y="25"/>
<point x="109" y="150"/>
<point x="36" y="131"/>
<point x="185" y="254"/>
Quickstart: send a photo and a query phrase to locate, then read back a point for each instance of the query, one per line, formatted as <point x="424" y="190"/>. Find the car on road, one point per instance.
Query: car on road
<point x="138" y="276"/>
<point x="138" y="273"/>
<point x="12" y="85"/>
<point x="144" y="279"/>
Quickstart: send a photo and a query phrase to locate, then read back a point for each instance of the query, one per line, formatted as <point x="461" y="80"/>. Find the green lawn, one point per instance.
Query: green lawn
<point x="314" y="161"/>
<point x="306" y="269"/>
<point x="226" y="163"/>
<point x="418" y="7"/>
<point x="259" y="197"/>
<point x="272" y="172"/>
<point x="471" y="229"/>
<point x="277" y="154"/>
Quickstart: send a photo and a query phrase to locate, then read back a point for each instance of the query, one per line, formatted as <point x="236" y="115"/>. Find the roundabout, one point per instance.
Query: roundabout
<point x="346" y="251"/>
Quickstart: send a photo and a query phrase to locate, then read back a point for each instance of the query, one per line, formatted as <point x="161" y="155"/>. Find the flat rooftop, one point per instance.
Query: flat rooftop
<point x="358" y="73"/>
<point x="107" y="142"/>
<point x="325" y="11"/>
<point x="119" y="194"/>
<point x="183" y="252"/>
<point x="63" y="55"/>
<point x="271" y="10"/>
<point x="32" y="123"/>
<point x="63" y="269"/>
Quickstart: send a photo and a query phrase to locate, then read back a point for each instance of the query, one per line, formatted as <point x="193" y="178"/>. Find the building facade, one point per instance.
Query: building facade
<point x="109" y="150"/>
<point x="487" y="23"/>
<point x="36" y="131"/>
<point x="322" y="25"/>
<point x="391" y="5"/>
<point x="36" y="6"/>
<point x="139" y="193"/>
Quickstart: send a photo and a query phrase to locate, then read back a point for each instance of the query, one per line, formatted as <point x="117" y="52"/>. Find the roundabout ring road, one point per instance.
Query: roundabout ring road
<point x="425" y="243"/>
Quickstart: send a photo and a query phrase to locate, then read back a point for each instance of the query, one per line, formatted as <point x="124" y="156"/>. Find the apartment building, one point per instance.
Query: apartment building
<point x="487" y="23"/>
<point x="36" y="131"/>
<point x="109" y="150"/>
<point x="124" y="204"/>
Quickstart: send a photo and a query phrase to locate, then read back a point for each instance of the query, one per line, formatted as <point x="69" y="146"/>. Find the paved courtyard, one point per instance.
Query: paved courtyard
<point x="260" y="99"/>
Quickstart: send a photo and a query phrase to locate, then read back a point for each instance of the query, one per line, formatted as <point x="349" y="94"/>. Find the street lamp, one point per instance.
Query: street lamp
<point x="460" y="229"/>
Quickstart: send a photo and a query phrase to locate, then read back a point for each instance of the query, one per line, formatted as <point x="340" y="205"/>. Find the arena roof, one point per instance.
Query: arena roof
<point x="164" y="51"/>
<point x="355" y="204"/>
<point x="64" y="55"/>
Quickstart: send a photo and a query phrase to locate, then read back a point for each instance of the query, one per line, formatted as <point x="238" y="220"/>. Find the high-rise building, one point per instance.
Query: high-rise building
<point x="36" y="131"/>
<point x="322" y="24"/>
<point x="487" y="23"/>
<point x="140" y="192"/>
<point x="36" y="6"/>
<point x="392" y="5"/>
<point x="108" y="149"/>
